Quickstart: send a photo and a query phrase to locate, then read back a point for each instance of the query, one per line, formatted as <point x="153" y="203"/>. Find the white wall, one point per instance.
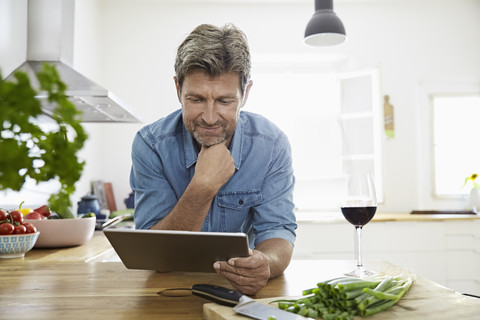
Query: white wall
<point x="129" y="47"/>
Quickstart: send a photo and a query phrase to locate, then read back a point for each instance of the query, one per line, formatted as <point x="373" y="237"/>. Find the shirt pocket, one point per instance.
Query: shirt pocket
<point x="239" y="200"/>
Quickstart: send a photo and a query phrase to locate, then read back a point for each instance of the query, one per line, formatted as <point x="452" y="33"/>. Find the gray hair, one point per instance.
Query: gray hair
<point x="216" y="51"/>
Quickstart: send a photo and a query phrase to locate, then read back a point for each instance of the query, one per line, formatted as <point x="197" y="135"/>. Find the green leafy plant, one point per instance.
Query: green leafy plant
<point x="29" y="151"/>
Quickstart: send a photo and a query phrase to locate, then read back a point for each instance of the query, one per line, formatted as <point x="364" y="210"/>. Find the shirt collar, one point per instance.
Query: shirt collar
<point x="236" y="145"/>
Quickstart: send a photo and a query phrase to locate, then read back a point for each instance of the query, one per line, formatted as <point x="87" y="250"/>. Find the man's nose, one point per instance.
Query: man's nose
<point x="210" y="115"/>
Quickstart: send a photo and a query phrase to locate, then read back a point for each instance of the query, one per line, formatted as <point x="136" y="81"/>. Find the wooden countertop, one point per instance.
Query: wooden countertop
<point x="96" y="249"/>
<point x="73" y="283"/>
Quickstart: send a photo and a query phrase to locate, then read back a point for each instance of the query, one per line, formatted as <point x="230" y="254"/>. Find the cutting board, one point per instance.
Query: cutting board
<point x="425" y="300"/>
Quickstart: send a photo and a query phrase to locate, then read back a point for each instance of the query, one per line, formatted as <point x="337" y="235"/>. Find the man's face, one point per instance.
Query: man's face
<point x="211" y="106"/>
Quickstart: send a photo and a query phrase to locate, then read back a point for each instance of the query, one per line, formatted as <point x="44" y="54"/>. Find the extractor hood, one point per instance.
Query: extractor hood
<point x="50" y="39"/>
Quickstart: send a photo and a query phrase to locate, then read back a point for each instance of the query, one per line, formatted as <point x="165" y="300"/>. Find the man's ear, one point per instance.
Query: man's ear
<point x="247" y="91"/>
<point x="177" y="86"/>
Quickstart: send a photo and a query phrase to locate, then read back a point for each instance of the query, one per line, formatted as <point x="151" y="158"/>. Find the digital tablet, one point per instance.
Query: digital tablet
<point x="164" y="250"/>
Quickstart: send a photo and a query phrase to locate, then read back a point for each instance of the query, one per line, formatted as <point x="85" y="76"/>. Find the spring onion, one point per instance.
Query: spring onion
<point x="344" y="297"/>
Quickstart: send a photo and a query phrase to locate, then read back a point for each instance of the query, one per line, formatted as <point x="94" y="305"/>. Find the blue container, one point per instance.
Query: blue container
<point x="89" y="203"/>
<point x="130" y="201"/>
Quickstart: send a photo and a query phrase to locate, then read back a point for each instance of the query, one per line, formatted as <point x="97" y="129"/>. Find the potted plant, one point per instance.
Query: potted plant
<point x="30" y="151"/>
<point x="474" y="197"/>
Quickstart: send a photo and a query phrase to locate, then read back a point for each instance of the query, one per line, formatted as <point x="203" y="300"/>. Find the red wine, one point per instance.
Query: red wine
<point x="358" y="216"/>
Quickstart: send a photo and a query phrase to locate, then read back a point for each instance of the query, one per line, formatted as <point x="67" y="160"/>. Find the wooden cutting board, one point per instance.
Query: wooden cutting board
<point x="425" y="300"/>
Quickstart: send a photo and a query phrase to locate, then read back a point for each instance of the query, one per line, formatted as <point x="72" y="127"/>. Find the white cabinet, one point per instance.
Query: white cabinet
<point x="447" y="252"/>
<point x="417" y="246"/>
<point x="463" y="256"/>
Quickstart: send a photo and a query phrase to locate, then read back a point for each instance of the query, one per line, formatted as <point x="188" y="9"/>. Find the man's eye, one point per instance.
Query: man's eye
<point x="194" y="100"/>
<point x="227" y="101"/>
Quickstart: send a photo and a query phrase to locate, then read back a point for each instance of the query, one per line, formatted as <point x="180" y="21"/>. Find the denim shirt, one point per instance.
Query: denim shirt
<point x="258" y="198"/>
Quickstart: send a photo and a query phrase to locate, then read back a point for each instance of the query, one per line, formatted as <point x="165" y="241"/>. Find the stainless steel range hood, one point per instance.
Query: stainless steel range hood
<point x="50" y="39"/>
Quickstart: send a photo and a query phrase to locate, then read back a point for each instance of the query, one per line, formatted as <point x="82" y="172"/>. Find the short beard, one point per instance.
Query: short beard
<point x="209" y="141"/>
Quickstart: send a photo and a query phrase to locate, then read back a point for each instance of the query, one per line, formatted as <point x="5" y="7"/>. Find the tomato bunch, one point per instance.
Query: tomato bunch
<point x="11" y="222"/>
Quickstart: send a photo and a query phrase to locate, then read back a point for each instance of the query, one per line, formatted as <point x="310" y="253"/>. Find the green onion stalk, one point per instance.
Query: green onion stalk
<point x="345" y="297"/>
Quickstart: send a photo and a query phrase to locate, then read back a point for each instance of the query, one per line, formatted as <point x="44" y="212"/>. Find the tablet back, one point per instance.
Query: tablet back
<point x="165" y="250"/>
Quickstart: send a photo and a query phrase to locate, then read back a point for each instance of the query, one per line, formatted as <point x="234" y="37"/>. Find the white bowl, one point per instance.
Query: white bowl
<point x="55" y="233"/>
<point x="15" y="245"/>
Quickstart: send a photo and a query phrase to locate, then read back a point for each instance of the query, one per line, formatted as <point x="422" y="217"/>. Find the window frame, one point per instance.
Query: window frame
<point x="432" y="98"/>
<point x="427" y="197"/>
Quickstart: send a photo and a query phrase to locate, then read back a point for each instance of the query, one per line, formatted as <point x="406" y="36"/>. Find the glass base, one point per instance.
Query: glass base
<point x="360" y="272"/>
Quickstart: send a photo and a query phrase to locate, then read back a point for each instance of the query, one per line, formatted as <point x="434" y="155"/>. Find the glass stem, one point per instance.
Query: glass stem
<point x="358" y="247"/>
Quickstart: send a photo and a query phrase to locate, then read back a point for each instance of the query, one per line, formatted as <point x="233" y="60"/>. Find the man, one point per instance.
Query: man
<point x="210" y="167"/>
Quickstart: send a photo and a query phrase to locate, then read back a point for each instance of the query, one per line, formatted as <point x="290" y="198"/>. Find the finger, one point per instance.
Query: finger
<point x="231" y="261"/>
<point x="239" y="263"/>
<point x="241" y="279"/>
<point x="223" y="267"/>
<point x="244" y="277"/>
<point x="249" y="286"/>
<point x="251" y="262"/>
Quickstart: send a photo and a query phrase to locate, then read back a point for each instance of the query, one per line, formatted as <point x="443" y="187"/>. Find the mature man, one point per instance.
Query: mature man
<point x="210" y="167"/>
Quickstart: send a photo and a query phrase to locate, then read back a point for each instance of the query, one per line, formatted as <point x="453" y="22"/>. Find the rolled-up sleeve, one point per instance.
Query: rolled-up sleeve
<point x="154" y="196"/>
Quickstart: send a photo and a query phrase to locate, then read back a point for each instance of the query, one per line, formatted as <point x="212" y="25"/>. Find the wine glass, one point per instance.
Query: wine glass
<point x="358" y="207"/>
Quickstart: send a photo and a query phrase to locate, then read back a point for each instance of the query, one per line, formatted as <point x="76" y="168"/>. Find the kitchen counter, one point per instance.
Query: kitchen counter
<point x="440" y="247"/>
<point x="74" y="283"/>
<point x="325" y="217"/>
<point x="96" y="249"/>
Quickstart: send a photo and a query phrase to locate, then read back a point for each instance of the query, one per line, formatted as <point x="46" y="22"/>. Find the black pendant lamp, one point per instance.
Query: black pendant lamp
<point x="324" y="28"/>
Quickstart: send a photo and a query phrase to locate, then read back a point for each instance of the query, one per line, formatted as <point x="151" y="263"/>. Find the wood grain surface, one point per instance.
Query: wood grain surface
<point x="74" y="283"/>
<point x="425" y="300"/>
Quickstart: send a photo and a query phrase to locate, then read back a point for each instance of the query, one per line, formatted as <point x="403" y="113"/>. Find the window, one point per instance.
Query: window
<point x="456" y="133"/>
<point x="331" y="120"/>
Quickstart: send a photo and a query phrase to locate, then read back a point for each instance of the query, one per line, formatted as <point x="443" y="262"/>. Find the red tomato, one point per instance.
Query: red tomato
<point x="17" y="216"/>
<point x="3" y="215"/>
<point x="21" y="229"/>
<point x="30" y="228"/>
<point x="6" y="228"/>
<point x="35" y="216"/>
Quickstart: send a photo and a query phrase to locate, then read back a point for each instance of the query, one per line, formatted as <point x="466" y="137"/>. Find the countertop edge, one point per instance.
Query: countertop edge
<point x="335" y="217"/>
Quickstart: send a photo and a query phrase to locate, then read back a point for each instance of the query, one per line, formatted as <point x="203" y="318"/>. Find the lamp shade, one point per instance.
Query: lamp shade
<point x="324" y="28"/>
